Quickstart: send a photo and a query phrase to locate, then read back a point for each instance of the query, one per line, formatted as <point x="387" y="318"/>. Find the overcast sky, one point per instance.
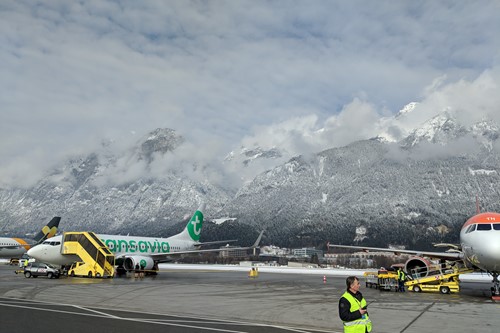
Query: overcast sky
<point x="230" y="73"/>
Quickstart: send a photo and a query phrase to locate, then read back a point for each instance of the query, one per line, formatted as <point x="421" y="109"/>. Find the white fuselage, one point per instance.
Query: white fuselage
<point x="481" y="246"/>
<point x="12" y="247"/>
<point x="50" y="250"/>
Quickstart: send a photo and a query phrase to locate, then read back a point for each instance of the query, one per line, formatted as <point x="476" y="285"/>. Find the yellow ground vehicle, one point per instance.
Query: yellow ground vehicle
<point x="97" y="260"/>
<point x="387" y="280"/>
<point x="441" y="278"/>
<point x="383" y="280"/>
<point x="253" y="273"/>
<point x="371" y="279"/>
<point x="444" y="286"/>
<point x="444" y="280"/>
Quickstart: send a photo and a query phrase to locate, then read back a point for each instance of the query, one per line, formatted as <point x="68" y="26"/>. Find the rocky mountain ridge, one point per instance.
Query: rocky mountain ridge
<point x="413" y="192"/>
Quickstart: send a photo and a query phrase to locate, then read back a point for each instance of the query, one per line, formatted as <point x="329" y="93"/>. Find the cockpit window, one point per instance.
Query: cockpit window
<point x="484" y="227"/>
<point x="496" y="226"/>
<point x="52" y="243"/>
<point x="471" y="228"/>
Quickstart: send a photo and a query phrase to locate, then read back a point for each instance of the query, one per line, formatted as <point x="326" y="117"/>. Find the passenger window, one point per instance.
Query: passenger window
<point x="496" y="226"/>
<point x="484" y="227"/>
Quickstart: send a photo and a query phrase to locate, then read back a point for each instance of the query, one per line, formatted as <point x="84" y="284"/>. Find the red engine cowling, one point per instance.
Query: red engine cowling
<point x="145" y="263"/>
<point x="418" y="267"/>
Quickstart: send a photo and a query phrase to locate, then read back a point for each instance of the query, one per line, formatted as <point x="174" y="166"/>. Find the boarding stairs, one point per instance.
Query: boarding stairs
<point x="96" y="259"/>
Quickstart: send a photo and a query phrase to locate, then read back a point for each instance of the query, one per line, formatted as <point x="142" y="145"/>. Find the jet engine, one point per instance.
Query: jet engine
<point x="145" y="262"/>
<point x="418" y="267"/>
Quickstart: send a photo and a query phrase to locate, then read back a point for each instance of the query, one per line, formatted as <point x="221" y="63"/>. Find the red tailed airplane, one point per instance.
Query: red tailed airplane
<point x="479" y="248"/>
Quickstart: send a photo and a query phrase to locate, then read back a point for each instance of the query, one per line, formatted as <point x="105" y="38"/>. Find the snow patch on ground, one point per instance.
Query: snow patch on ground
<point x="295" y="270"/>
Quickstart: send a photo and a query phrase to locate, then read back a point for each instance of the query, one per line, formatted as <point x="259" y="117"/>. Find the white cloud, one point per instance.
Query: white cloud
<point x="469" y="101"/>
<point x="74" y="73"/>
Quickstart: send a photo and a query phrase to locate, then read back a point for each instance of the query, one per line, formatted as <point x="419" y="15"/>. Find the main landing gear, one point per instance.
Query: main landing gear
<point x="495" y="290"/>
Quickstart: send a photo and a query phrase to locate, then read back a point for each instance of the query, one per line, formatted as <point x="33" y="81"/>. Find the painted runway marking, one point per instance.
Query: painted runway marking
<point x="416" y="318"/>
<point x="157" y="321"/>
<point x="95" y="311"/>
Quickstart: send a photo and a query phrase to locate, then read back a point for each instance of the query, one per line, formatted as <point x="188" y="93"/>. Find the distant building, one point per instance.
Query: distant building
<point x="233" y="253"/>
<point x="307" y="252"/>
<point x="274" y="250"/>
<point x="364" y="259"/>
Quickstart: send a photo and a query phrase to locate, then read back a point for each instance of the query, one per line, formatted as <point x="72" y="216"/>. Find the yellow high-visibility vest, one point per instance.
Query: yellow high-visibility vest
<point x="361" y="325"/>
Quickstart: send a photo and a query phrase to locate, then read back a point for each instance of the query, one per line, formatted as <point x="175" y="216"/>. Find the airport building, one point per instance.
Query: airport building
<point x="233" y="253"/>
<point x="307" y="252"/>
<point x="364" y="259"/>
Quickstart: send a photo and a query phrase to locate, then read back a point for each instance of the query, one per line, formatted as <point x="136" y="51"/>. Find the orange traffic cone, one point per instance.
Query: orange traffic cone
<point x="324" y="278"/>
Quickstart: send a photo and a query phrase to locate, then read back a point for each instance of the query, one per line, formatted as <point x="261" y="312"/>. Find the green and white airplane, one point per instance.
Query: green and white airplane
<point x="130" y="251"/>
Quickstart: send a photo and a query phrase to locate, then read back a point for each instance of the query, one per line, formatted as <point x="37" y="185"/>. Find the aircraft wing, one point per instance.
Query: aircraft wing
<point x="167" y="256"/>
<point x="437" y="255"/>
<point x="216" y="242"/>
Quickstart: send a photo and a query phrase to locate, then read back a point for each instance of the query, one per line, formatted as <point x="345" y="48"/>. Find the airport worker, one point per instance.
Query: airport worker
<point x="353" y="308"/>
<point x="141" y="274"/>
<point x="401" y="280"/>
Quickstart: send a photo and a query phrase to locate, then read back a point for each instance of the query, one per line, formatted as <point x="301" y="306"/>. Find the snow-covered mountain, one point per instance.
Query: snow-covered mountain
<point x="115" y="193"/>
<point x="398" y="198"/>
<point x="411" y="192"/>
<point x="445" y="128"/>
<point x="248" y="155"/>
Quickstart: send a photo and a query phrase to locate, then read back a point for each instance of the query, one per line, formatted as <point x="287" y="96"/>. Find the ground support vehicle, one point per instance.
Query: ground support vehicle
<point x="96" y="259"/>
<point x="444" y="281"/>
<point x="371" y="279"/>
<point x="382" y="279"/>
<point x="24" y="260"/>
<point x="388" y="280"/>
<point x="36" y="269"/>
<point x="253" y="273"/>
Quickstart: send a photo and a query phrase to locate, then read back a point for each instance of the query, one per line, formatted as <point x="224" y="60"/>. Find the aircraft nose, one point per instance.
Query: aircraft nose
<point x="491" y="255"/>
<point x="34" y="252"/>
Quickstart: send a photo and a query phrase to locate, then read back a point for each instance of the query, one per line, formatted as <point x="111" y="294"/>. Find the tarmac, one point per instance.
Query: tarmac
<point x="199" y="299"/>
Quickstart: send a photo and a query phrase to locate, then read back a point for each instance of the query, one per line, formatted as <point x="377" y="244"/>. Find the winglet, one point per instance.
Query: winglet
<point x="257" y="242"/>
